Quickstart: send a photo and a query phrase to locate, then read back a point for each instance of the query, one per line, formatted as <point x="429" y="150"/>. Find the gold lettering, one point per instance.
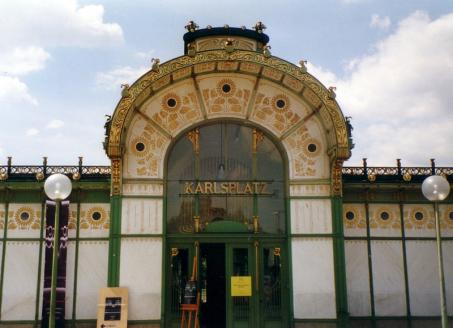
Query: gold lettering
<point x="188" y="188"/>
<point x="255" y="187"/>
<point x="232" y="189"/>
<point x="224" y="187"/>
<point x="248" y="189"/>
<point x="199" y="188"/>
<point x="208" y="188"/>
<point x="262" y="187"/>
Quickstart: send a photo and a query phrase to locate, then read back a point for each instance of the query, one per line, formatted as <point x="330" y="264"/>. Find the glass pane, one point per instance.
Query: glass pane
<point x="241" y="268"/>
<point x="179" y="275"/>
<point x="272" y="288"/>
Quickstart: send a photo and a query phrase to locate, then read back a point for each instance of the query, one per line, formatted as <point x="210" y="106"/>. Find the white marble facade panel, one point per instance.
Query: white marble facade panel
<point x="309" y="190"/>
<point x="144" y="150"/>
<point x="385" y="220"/>
<point x="92" y="275"/>
<point x="311" y="216"/>
<point x="307" y="151"/>
<point x="313" y="278"/>
<point x="20" y="280"/>
<point x="419" y="220"/>
<point x="447" y="251"/>
<point x="143" y="188"/>
<point x="145" y="284"/>
<point x="141" y="216"/>
<point x="70" y="270"/>
<point x="388" y="278"/>
<point x="423" y="277"/>
<point x="94" y="220"/>
<point x="446" y="220"/>
<point x="354" y="220"/>
<point x="24" y="220"/>
<point x="358" y="278"/>
<point x="226" y="94"/>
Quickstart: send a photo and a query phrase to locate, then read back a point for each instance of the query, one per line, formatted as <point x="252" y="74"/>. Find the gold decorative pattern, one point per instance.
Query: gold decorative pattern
<point x="94" y="218"/>
<point x="206" y="62"/>
<point x="116" y="176"/>
<point x="411" y="221"/>
<point x="446" y="222"/>
<point x="72" y="221"/>
<point x="148" y="164"/>
<point x="185" y="110"/>
<point x="384" y="218"/>
<point x="307" y="147"/>
<point x="140" y="140"/>
<point x="194" y="137"/>
<point x="25" y="218"/>
<point x="233" y="100"/>
<point x="266" y="111"/>
<point x="301" y="164"/>
<point x="337" y="180"/>
<point x="358" y="221"/>
<point x="2" y="220"/>
<point x="210" y="43"/>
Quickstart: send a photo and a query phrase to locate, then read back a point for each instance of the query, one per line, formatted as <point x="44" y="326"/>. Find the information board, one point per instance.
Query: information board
<point x="112" y="307"/>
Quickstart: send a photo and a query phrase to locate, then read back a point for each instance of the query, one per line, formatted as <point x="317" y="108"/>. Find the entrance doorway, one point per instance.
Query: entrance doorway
<point x="213" y="285"/>
<point x="240" y="281"/>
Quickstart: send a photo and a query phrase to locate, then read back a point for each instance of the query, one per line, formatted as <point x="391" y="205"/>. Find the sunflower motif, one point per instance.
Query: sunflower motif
<point x="140" y="147"/>
<point x="280" y="103"/>
<point x="171" y="102"/>
<point x="226" y="87"/>
<point x="96" y="216"/>
<point x="24" y="217"/>
<point x="311" y="147"/>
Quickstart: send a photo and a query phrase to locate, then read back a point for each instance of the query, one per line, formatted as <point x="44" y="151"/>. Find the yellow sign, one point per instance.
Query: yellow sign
<point x="112" y="307"/>
<point x="241" y="286"/>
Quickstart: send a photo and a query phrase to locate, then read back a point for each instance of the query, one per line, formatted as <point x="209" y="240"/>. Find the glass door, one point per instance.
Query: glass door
<point x="273" y="307"/>
<point x="240" y="286"/>
<point x="180" y="265"/>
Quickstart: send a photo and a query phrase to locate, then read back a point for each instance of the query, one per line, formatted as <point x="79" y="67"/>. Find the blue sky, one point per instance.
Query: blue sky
<point x="62" y="63"/>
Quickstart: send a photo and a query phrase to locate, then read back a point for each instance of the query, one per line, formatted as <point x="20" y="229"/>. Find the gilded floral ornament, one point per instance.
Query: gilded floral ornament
<point x="407" y="177"/>
<point x="3" y="176"/>
<point x="371" y="177"/>
<point x="39" y="176"/>
<point x="303" y="66"/>
<point x="76" y="176"/>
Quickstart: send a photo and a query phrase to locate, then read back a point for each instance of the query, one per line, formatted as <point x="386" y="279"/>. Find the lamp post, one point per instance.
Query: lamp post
<point x="57" y="187"/>
<point x="436" y="188"/>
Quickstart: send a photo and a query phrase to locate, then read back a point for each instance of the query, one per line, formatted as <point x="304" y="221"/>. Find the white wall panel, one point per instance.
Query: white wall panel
<point x="141" y="216"/>
<point x="20" y="280"/>
<point x="388" y="278"/>
<point x="141" y="273"/>
<point x="358" y="278"/>
<point x="70" y="265"/>
<point x="423" y="277"/>
<point x="311" y="216"/>
<point x="447" y="251"/>
<point x="92" y="275"/>
<point x="313" y="278"/>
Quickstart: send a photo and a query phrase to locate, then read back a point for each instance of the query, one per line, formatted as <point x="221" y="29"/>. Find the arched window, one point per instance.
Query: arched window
<point x="225" y="172"/>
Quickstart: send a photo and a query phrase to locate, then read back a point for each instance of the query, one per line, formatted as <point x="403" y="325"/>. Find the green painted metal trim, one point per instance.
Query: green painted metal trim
<point x="76" y="262"/>
<point x="370" y="262"/>
<point x="289" y="273"/>
<point x="340" y="262"/>
<point x="113" y="276"/>
<point x="41" y="246"/>
<point x="5" y="235"/>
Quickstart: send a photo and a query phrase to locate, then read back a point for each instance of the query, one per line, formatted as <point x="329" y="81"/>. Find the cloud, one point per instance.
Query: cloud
<point x="399" y="95"/>
<point x="56" y="23"/>
<point x="382" y="23"/>
<point x="30" y="28"/>
<point x="55" y="124"/>
<point x="12" y="90"/>
<point x="32" y="132"/>
<point x="113" y="79"/>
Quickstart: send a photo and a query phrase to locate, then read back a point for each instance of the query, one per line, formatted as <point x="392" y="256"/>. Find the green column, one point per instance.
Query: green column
<point x="114" y="242"/>
<point x="340" y="261"/>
